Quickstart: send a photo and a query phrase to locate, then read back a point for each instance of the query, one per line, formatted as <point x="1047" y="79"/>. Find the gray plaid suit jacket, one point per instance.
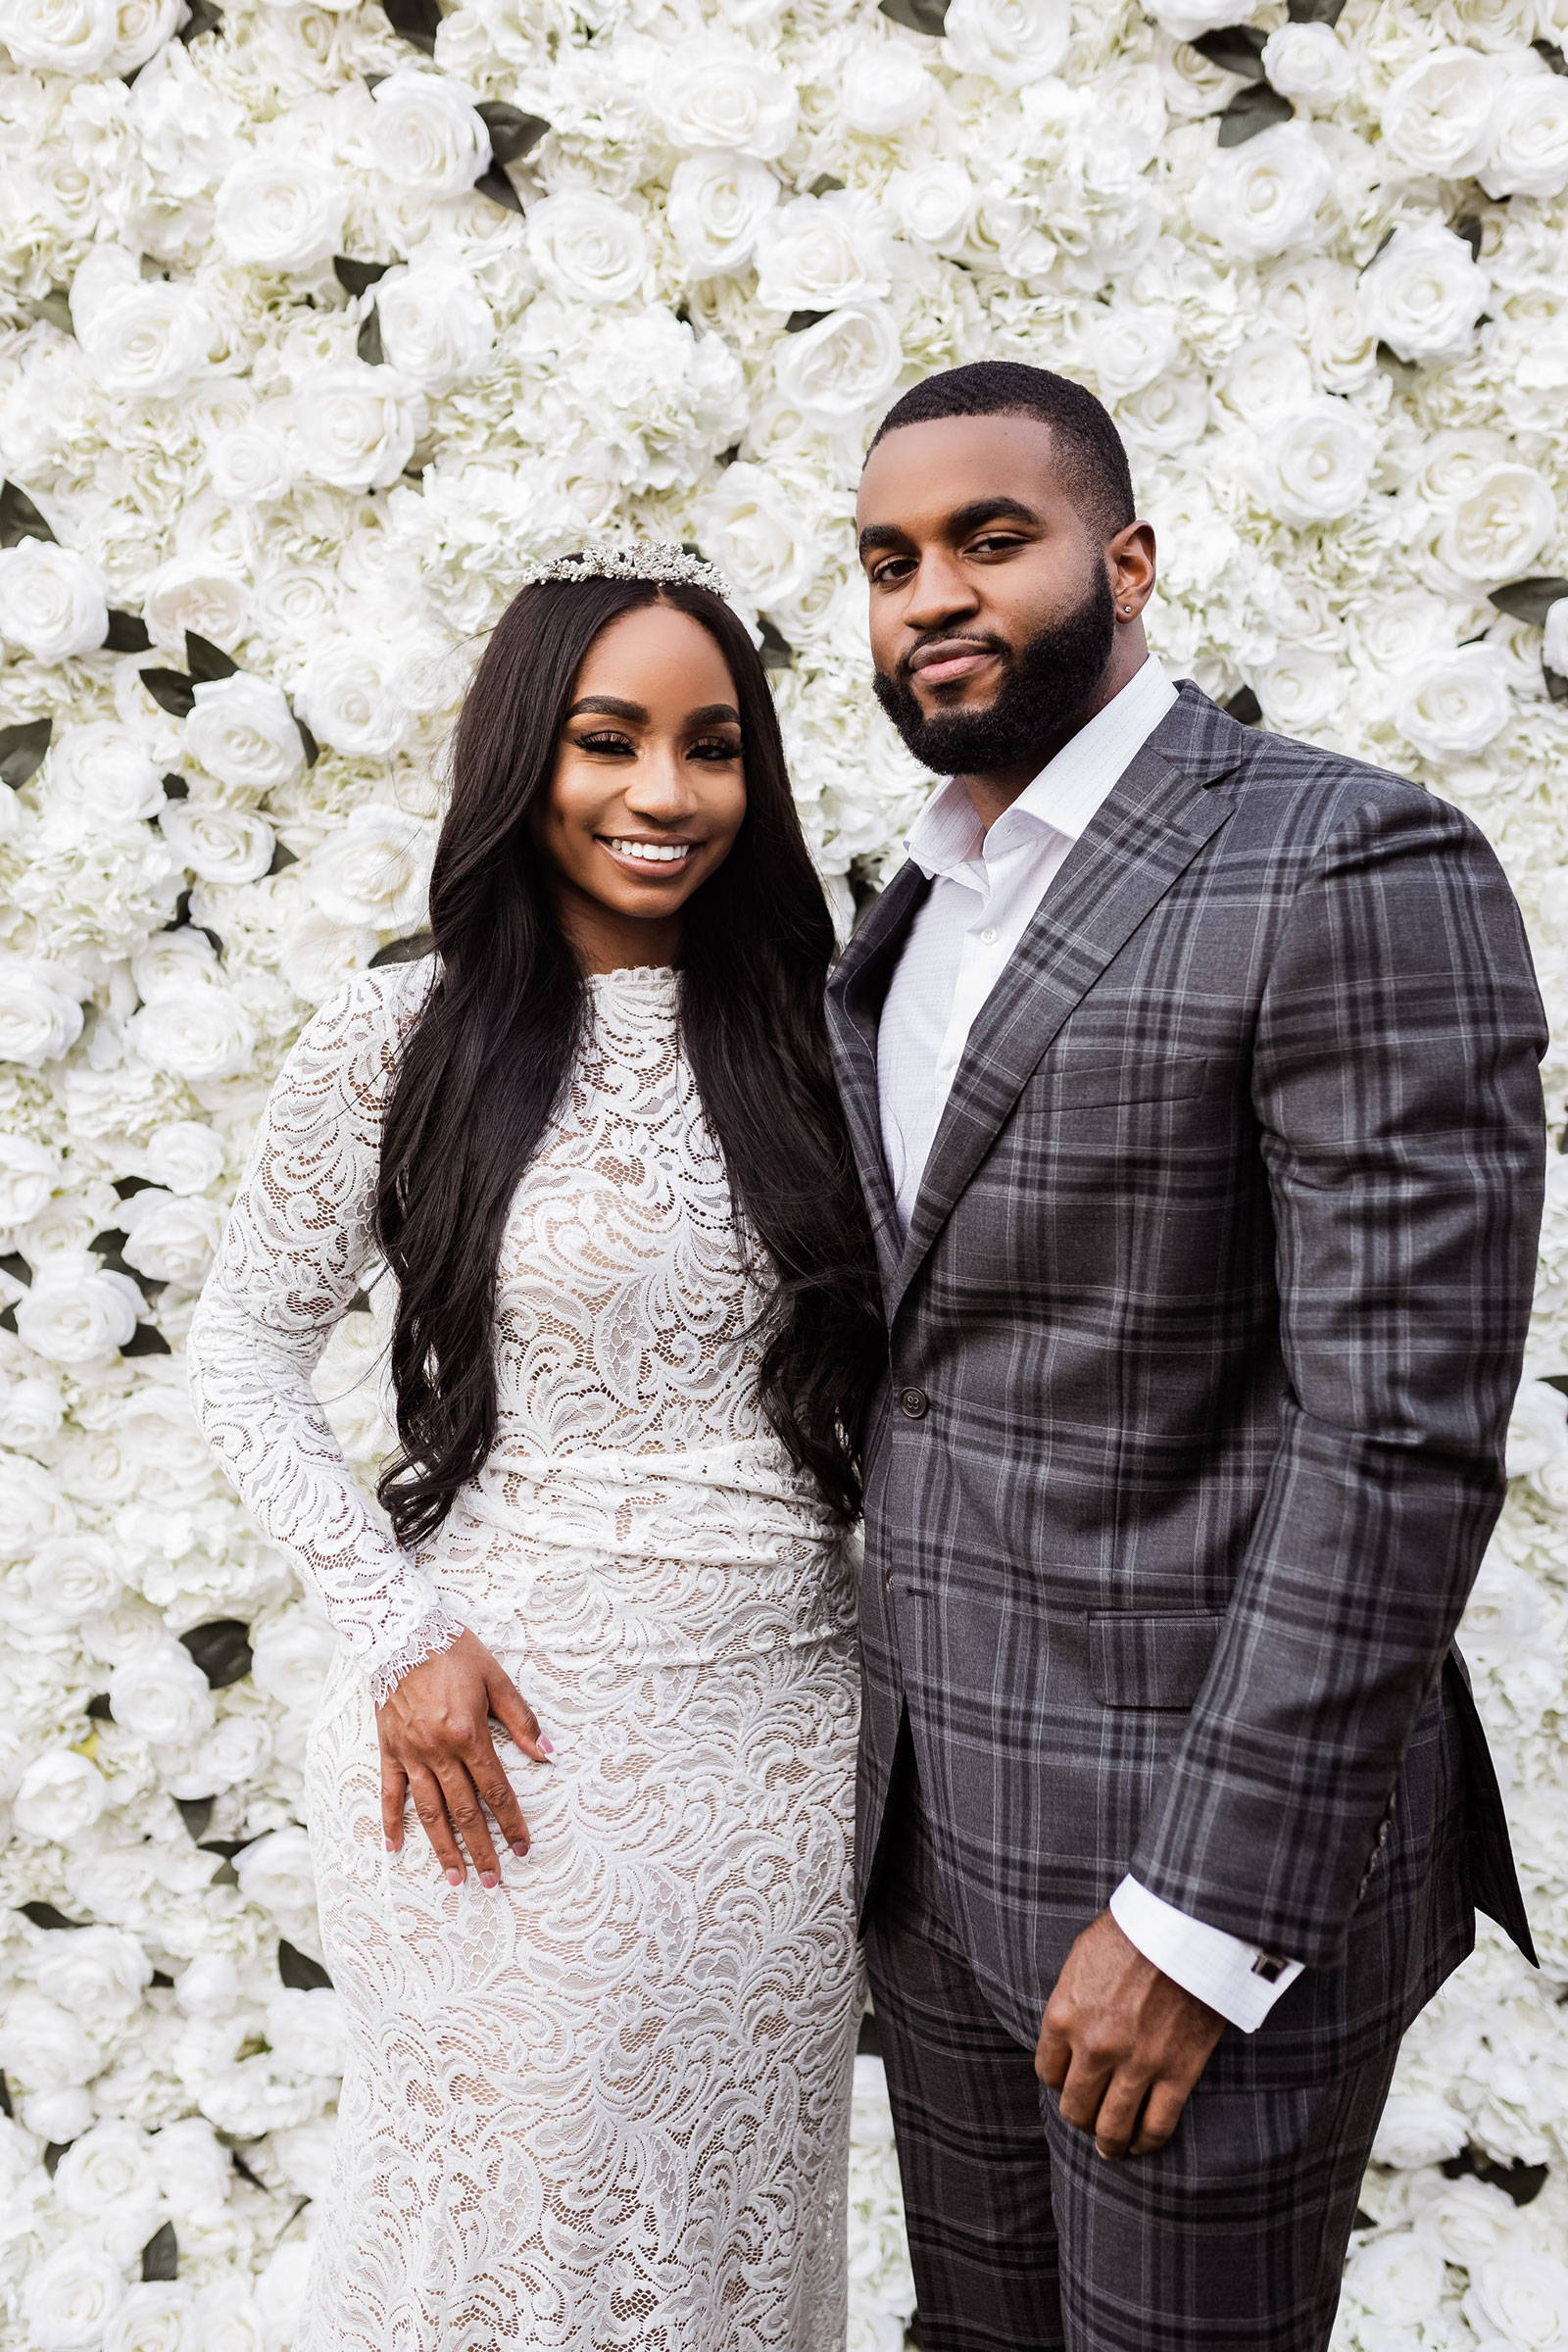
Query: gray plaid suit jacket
<point x="1203" y="1344"/>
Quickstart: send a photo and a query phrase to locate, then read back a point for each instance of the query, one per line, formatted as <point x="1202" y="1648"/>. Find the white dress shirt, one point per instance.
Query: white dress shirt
<point x="986" y="885"/>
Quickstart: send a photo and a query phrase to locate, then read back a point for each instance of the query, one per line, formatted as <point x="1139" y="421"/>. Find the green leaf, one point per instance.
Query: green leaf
<point x="206" y="661"/>
<point x="281" y="857"/>
<point x="1552" y="55"/>
<point x="17" y="1266"/>
<point x="1255" y="109"/>
<point x="222" y="1649"/>
<point x="1556" y="684"/>
<point x="19" y="519"/>
<point x="98" y="1708"/>
<point x="513" y="133"/>
<point x="44" y="1915"/>
<point x="1315" y="12"/>
<point x="54" y="306"/>
<point x="146" y="1340"/>
<point x="495" y="184"/>
<point x="1245" y="705"/>
<point x="159" y="2256"/>
<point x="313" y="750"/>
<point x="195" y="1812"/>
<point x="1530" y="599"/>
<point x="798" y="320"/>
<point x="126" y="634"/>
<point x="22" y="749"/>
<point x="358" y="277"/>
<point x="175" y="788"/>
<point x="417" y="21"/>
<point x="403" y="950"/>
<point x="367" y="342"/>
<point x="1235" y="48"/>
<point x="1470" y="229"/>
<point x="919" y="16"/>
<point x="298" y="1972"/>
<point x="776" y="649"/>
<point x="826" y="183"/>
<point x="204" y="18"/>
<point x="171" y="691"/>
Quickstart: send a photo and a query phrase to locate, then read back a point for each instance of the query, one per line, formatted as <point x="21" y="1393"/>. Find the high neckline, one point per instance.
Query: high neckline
<point x="659" y="977"/>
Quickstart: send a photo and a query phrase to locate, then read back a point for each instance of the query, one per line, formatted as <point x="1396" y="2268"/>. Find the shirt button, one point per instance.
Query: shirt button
<point x="987" y="937"/>
<point x="914" y="1403"/>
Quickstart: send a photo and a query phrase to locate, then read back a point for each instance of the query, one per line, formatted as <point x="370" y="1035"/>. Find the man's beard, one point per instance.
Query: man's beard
<point x="1043" y="689"/>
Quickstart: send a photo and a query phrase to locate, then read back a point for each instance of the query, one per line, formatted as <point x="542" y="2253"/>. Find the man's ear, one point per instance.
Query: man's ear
<point x="1130" y="564"/>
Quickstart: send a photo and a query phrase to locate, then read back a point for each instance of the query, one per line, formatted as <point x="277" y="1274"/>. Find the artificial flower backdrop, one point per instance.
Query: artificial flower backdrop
<point x="314" y="321"/>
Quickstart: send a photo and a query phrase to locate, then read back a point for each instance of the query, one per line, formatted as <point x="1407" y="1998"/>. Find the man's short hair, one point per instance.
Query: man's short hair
<point x="1088" y="447"/>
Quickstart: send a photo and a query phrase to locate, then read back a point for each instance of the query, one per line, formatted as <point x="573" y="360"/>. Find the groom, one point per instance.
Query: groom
<point x="1192" y="1076"/>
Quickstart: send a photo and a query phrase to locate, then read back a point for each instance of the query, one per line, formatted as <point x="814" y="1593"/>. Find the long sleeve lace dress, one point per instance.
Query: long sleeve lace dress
<point x="605" y="2105"/>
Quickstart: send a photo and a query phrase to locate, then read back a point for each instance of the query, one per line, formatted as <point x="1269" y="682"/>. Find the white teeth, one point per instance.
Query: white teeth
<point x="653" y="852"/>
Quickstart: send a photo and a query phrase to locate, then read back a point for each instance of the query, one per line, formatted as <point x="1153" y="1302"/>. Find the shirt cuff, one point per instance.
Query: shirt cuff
<point x="1235" y="1977"/>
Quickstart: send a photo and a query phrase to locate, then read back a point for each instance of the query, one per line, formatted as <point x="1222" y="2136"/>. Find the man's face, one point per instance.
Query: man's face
<point x="992" y="610"/>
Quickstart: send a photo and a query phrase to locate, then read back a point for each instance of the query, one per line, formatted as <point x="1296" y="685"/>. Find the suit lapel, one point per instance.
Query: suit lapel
<point x="855" y="988"/>
<point x="1144" y="834"/>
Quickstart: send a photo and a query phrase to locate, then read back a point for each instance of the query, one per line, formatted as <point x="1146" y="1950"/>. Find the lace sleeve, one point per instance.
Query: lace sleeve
<point x="297" y="1240"/>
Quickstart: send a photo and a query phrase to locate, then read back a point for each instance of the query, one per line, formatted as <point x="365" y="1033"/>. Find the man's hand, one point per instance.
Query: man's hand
<point x="1122" y="2043"/>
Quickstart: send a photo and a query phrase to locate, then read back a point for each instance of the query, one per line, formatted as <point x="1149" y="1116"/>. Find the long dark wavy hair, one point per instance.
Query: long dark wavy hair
<point x="489" y="1057"/>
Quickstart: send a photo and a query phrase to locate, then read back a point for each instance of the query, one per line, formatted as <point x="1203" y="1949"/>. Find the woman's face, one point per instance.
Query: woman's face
<point x="649" y="788"/>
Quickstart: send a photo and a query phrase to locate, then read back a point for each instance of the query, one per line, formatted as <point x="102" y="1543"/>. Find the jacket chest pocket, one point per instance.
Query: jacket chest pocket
<point x="1071" y="1084"/>
<point x="1151" y="1658"/>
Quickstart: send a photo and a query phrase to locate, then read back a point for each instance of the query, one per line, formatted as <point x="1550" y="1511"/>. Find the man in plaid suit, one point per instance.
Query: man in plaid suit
<point x="1192" y="1076"/>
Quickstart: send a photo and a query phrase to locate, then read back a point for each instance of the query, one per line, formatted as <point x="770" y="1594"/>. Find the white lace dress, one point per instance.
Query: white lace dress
<point x="606" y="2105"/>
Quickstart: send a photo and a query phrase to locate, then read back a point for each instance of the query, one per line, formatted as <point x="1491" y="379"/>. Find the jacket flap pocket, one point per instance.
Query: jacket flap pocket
<point x="1074" y="1085"/>
<point x="1151" y="1658"/>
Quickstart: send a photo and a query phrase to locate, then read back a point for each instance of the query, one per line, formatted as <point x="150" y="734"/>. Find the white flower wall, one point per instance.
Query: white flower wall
<point x="314" y="321"/>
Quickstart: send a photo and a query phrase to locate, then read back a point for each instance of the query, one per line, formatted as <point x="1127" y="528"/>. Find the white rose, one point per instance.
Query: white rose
<point x="350" y="696"/>
<point x="1185" y="20"/>
<point x="1128" y="344"/>
<point x="57" y="2117"/>
<point x="30" y="1412"/>
<point x="354" y="425"/>
<point x="32" y="1507"/>
<point x="1521" y="2296"/>
<point x="717" y="205"/>
<point x="844" y="365"/>
<point x="171" y="962"/>
<point x="1009" y="41"/>
<point x="715" y="91"/>
<point x="76" y="1312"/>
<point x="195" y="2170"/>
<point x="1451" y="706"/>
<point x="141" y="28"/>
<point x="588" y="248"/>
<point x="218" y="843"/>
<point x="374" y="868"/>
<point x="250" y="462"/>
<point x="29" y="1174"/>
<point x="106" y="773"/>
<point x="437" y="326"/>
<point x="230" y="2320"/>
<point x="278" y="212"/>
<point x="69" y="2300"/>
<point x="1419" y="2127"/>
<point x="41" y="2044"/>
<point x="1399" y="630"/>
<point x="1498" y="527"/>
<point x="242" y="732"/>
<point x="1529" y="153"/>
<point x="199" y="1037"/>
<point x="149" y="341"/>
<point x="156" y="2317"/>
<point x="1425" y="292"/>
<point x="307" y="2029"/>
<point x="291" y="1654"/>
<point x="1437" y="114"/>
<point x="425" y="134"/>
<point x="1553" y="648"/>
<point x="59" y="1796"/>
<point x="1537" y="1429"/>
<point x="752" y="530"/>
<point x="817" y="251"/>
<point x="319" y="954"/>
<point x="933" y="202"/>
<point x="169" y="1240"/>
<point x="1399" y="2276"/>
<point x="275" y="1873"/>
<point x="59" y="37"/>
<point x="183" y="1156"/>
<point x="163" y="1697"/>
<point x="185" y="594"/>
<point x="1309" y="64"/>
<point x="1269" y="379"/>
<point x="53" y="602"/>
<point x="1263" y="196"/>
<point x="70" y="1577"/>
<point x="883" y="87"/>
<point x="1317" y="464"/>
<point x="307" y="2156"/>
<point x="107" y="2176"/>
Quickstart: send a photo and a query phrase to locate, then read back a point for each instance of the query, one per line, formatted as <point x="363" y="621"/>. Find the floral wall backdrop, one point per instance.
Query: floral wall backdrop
<point x="314" y="321"/>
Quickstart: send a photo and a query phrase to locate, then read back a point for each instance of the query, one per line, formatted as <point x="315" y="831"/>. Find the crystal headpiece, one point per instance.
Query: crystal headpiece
<point x="635" y="560"/>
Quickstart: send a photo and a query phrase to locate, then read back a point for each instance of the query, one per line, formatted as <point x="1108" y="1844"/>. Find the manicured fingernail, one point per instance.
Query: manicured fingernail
<point x="545" y="1748"/>
<point x="489" y="1878"/>
<point x="390" y="1847"/>
<point x="453" y="1878"/>
<point x="520" y="1851"/>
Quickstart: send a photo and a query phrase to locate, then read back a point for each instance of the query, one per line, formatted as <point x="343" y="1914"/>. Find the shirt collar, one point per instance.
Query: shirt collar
<point x="1068" y="791"/>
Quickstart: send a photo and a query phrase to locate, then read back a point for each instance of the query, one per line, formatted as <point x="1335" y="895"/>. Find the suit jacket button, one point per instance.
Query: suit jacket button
<point x="914" y="1403"/>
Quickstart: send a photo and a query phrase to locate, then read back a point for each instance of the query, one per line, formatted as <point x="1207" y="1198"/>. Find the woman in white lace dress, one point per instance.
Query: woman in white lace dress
<point x="603" y="1993"/>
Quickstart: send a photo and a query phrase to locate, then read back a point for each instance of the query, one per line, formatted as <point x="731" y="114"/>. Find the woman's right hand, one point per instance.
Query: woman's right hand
<point x="436" y="1746"/>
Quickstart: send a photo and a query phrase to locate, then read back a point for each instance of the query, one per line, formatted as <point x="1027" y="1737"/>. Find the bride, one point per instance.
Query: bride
<point x="602" y="1990"/>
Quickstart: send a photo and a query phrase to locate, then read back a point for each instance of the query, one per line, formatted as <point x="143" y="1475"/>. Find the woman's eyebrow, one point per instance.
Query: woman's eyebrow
<point x="715" y="715"/>
<point x="610" y="706"/>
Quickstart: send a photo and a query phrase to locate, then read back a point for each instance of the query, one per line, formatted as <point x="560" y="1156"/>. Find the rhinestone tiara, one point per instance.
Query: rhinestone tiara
<point x="634" y="559"/>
